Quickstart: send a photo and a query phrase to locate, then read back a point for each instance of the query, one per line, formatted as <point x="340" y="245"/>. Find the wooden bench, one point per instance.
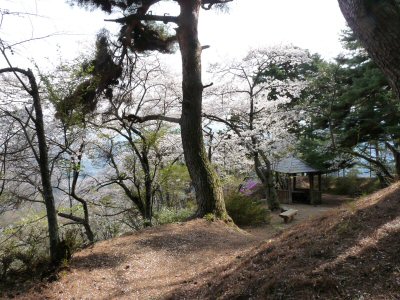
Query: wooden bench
<point x="288" y="215"/>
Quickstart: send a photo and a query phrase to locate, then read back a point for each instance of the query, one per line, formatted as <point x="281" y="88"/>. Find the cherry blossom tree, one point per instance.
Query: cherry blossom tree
<point x="251" y="102"/>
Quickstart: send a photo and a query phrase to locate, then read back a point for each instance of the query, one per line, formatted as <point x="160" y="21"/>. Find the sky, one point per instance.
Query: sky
<point x="310" y="24"/>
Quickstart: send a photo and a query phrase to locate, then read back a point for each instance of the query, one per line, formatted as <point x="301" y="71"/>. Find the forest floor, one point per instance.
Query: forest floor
<point x="327" y="252"/>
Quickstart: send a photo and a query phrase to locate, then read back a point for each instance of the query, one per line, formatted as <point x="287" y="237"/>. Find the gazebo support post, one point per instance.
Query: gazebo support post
<point x="319" y="188"/>
<point x="311" y="180"/>
<point x="319" y="182"/>
<point x="294" y="182"/>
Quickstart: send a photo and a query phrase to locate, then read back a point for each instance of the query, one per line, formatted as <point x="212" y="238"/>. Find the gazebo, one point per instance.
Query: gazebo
<point x="293" y="167"/>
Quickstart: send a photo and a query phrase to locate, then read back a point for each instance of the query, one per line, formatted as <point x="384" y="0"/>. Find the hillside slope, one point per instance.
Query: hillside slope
<point x="148" y="264"/>
<point x="349" y="253"/>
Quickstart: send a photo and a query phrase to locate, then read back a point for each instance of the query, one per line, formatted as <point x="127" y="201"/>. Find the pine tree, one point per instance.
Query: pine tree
<point x="353" y="108"/>
<point x="143" y="31"/>
<point x="377" y="26"/>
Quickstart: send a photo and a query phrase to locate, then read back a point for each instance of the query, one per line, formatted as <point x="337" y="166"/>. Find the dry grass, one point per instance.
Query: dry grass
<point x="148" y="264"/>
<point x="351" y="252"/>
<point x="347" y="253"/>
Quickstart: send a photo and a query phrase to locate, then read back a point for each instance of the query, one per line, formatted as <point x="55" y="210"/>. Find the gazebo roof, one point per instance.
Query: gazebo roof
<point x="293" y="165"/>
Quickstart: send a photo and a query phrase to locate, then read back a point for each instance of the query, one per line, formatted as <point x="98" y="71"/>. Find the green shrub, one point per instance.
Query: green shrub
<point x="354" y="186"/>
<point x="369" y="186"/>
<point x="23" y="249"/>
<point x="171" y="215"/>
<point x="346" y="185"/>
<point x="327" y="183"/>
<point x="73" y="238"/>
<point x="244" y="210"/>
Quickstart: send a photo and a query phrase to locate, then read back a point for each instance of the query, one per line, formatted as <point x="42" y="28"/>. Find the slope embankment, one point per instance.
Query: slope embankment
<point x="348" y="253"/>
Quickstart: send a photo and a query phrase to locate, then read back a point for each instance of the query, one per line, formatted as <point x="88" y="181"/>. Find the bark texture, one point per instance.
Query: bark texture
<point x="209" y="193"/>
<point x="377" y="25"/>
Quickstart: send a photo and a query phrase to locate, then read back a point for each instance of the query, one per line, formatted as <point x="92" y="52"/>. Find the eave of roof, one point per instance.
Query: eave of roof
<point x="293" y="165"/>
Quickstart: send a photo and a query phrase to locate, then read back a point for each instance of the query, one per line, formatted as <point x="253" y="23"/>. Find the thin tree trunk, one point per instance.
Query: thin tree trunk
<point x="75" y="176"/>
<point x="85" y="221"/>
<point x="272" y="196"/>
<point x="56" y="251"/>
<point x="210" y="147"/>
<point x="148" y="185"/>
<point x="148" y="200"/>
<point x="56" y="254"/>
<point x="209" y="193"/>
<point x="257" y="168"/>
<point x="377" y="25"/>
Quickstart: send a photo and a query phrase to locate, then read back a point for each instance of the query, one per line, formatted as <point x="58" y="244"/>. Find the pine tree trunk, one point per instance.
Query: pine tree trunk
<point x="397" y="164"/>
<point x="209" y="193"/>
<point x="377" y="25"/>
<point x="396" y="155"/>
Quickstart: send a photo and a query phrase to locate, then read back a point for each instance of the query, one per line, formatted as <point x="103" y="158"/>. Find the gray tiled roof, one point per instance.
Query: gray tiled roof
<point x="293" y="165"/>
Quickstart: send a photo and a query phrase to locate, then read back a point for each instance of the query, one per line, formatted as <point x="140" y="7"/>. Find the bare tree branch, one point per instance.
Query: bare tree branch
<point x="208" y="4"/>
<point x="139" y="17"/>
<point x="72" y="217"/>
<point x="220" y="120"/>
<point x="137" y="119"/>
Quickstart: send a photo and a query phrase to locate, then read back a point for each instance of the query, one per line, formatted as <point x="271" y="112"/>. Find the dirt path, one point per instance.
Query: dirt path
<point x="305" y="213"/>
<point x="155" y="262"/>
<point x="149" y="264"/>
